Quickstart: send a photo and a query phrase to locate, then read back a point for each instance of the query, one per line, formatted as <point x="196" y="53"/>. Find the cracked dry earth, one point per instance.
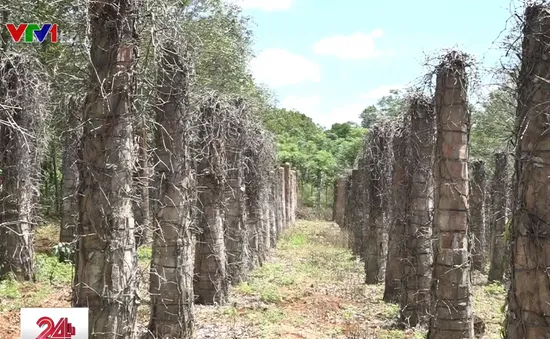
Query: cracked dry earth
<point x="310" y="287"/>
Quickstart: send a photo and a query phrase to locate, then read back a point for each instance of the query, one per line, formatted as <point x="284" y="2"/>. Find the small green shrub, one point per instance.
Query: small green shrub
<point x="145" y="253"/>
<point x="390" y="312"/>
<point x="64" y="252"/>
<point x="9" y="288"/>
<point x="49" y="269"/>
<point x="286" y="280"/>
<point x="245" y="288"/>
<point x="270" y="295"/>
<point x="274" y="316"/>
<point x="298" y="240"/>
<point x="230" y="311"/>
<point x="494" y="289"/>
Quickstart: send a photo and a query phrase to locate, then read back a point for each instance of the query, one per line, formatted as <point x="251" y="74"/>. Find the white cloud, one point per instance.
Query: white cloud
<point x="350" y="47"/>
<point x="374" y="95"/>
<point x="303" y="104"/>
<point x="342" y="114"/>
<point x="278" y="67"/>
<point x="266" y="5"/>
<point x="351" y="111"/>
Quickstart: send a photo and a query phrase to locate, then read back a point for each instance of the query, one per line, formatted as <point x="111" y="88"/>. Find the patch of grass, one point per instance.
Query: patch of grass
<point x="297" y="319"/>
<point x="316" y="252"/>
<point x="488" y="305"/>
<point x="314" y="288"/>
<point x="300" y="235"/>
<point x="274" y="316"/>
<point x="245" y="288"/>
<point x="265" y="316"/>
<point x="390" y="311"/>
<point x="270" y="295"/>
<point x="38" y="295"/>
<point x="494" y="289"/>
<point x="365" y="333"/>
<point x="46" y="236"/>
<point x="267" y="293"/>
<point x="230" y="311"/>
<point x="49" y="231"/>
<point x="349" y="313"/>
<point x="325" y="263"/>
<point x="50" y="275"/>
<point x="277" y="274"/>
<point x="296" y="240"/>
<point x="9" y="288"/>
<point x="14" y="294"/>
<point x="267" y="281"/>
<point x="49" y="269"/>
<point x="285" y="280"/>
<point x="143" y="313"/>
<point x="336" y="331"/>
<point x="310" y="269"/>
<point x="394" y="334"/>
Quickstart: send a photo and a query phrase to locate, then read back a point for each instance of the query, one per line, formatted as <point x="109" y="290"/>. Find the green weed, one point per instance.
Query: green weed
<point x="64" y="252"/>
<point x="297" y="240"/>
<point x="9" y="288"/>
<point x="494" y="289"/>
<point x="230" y="311"/>
<point x="270" y="295"/>
<point x="49" y="269"/>
<point x="245" y="288"/>
<point x="145" y="253"/>
<point x="273" y="316"/>
<point x="390" y="312"/>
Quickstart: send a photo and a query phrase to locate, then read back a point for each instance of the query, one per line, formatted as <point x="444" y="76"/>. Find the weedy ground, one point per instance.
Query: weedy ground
<point x="310" y="287"/>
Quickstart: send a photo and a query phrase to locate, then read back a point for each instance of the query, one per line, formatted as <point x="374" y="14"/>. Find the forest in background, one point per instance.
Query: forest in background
<point x="321" y="154"/>
<point x="222" y="39"/>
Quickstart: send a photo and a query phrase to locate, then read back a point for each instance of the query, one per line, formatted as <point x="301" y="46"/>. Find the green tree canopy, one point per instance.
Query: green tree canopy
<point x="390" y="106"/>
<point x="493" y="124"/>
<point x="309" y="147"/>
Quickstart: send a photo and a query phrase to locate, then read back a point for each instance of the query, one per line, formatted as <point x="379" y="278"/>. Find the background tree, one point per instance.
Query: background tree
<point x="492" y="124"/>
<point x="319" y="154"/>
<point x="389" y="106"/>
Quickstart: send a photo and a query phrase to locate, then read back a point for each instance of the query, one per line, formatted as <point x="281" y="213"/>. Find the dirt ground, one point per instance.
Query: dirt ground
<point x="310" y="288"/>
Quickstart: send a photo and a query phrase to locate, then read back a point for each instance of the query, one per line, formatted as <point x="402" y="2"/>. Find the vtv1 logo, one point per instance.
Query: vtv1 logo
<point x="54" y="323"/>
<point x="32" y="31"/>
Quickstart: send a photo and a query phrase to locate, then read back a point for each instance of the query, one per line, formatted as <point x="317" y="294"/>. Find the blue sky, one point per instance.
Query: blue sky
<point x="331" y="59"/>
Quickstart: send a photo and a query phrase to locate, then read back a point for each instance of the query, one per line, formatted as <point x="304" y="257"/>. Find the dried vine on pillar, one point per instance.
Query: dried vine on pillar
<point x="451" y="288"/>
<point x="417" y="249"/>
<point x="24" y="90"/>
<point x="530" y="231"/>
<point x="399" y="196"/>
<point x="379" y="156"/>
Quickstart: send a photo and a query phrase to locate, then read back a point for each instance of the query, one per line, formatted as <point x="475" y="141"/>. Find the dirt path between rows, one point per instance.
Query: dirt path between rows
<point x="310" y="287"/>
